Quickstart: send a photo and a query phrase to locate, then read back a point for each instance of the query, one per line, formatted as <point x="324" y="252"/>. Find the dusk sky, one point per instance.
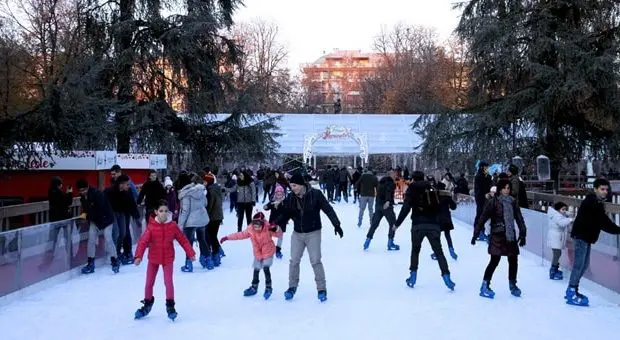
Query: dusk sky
<point x="309" y="28"/>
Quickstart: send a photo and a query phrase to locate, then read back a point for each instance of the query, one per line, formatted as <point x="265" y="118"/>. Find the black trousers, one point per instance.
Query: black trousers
<point x="212" y="229"/>
<point x="434" y="238"/>
<point x="513" y="267"/>
<point x="377" y="216"/>
<point x="200" y="235"/>
<point x="244" y="209"/>
<point x="479" y="209"/>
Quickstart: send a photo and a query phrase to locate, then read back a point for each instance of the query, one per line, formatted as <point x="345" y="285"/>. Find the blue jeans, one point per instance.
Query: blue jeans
<point x="119" y="233"/>
<point x="581" y="263"/>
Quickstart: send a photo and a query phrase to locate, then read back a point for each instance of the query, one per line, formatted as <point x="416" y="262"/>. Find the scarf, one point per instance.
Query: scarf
<point x="509" y="216"/>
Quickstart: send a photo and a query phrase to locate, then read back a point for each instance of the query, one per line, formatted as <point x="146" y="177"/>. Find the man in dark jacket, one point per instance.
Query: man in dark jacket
<point x="517" y="186"/>
<point x="216" y="215"/>
<point x="366" y="186"/>
<point x="422" y="200"/>
<point x="154" y="192"/>
<point x="124" y="206"/>
<point x="354" y="179"/>
<point x="101" y="218"/>
<point x="344" y="178"/>
<point x="482" y="185"/>
<point x="384" y="208"/>
<point x="590" y="220"/>
<point x="303" y="205"/>
<point x="329" y="178"/>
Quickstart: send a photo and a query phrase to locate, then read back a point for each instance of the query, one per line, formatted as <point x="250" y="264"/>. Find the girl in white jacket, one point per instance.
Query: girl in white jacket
<point x="558" y="222"/>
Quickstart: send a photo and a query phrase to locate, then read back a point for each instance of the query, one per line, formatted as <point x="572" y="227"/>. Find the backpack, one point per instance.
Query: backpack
<point x="428" y="201"/>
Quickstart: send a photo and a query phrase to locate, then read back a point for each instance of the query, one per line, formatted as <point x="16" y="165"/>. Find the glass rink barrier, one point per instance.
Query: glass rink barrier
<point x="34" y="254"/>
<point x="604" y="258"/>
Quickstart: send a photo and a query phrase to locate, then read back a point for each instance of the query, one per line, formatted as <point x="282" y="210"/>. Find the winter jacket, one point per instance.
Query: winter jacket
<point x="557" y="225"/>
<point x="97" y="208"/>
<point x="498" y="243"/>
<point x="193" y="213"/>
<point x="385" y="191"/>
<point x="172" y="199"/>
<point x="329" y="178"/>
<point x="122" y="202"/>
<point x="517" y="190"/>
<point x="154" y="191"/>
<point x="214" y="203"/>
<point x="462" y="187"/>
<point x="411" y="204"/>
<point x="445" y="216"/>
<point x="482" y="185"/>
<point x="305" y="211"/>
<point x="262" y="242"/>
<point x="355" y="178"/>
<point x="246" y="193"/>
<point x="159" y="238"/>
<point x="344" y="176"/>
<point x="591" y="219"/>
<point x="367" y="185"/>
<point x="59" y="204"/>
<point x="132" y="189"/>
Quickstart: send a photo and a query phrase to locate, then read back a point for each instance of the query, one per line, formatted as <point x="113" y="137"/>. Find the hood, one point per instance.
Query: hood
<point x="153" y="220"/>
<point x="553" y="214"/>
<point x="196" y="191"/>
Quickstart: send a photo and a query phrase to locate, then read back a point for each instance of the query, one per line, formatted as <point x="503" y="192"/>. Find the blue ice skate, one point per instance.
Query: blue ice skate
<point x="453" y="254"/>
<point x="448" y="282"/>
<point x="172" y="313"/>
<point x="514" y="290"/>
<point x="251" y="291"/>
<point x="279" y="252"/>
<point x="290" y="293"/>
<point x="267" y="293"/>
<point x="221" y="252"/>
<point x="188" y="267"/>
<point x="433" y="257"/>
<point x="555" y="273"/>
<point x="411" y="279"/>
<point x="573" y="297"/>
<point x="217" y="260"/>
<point x="367" y="243"/>
<point x="115" y="265"/>
<point x="485" y="290"/>
<point x="392" y="246"/>
<point x="90" y="267"/>
<point x="322" y="295"/>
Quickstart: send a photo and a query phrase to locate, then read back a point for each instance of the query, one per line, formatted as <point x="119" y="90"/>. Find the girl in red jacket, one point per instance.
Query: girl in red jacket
<point x="159" y="237"/>
<point x="260" y="232"/>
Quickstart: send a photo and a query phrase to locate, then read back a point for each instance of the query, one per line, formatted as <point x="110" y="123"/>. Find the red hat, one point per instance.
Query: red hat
<point x="209" y="179"/>
<point x="259" y="216"/>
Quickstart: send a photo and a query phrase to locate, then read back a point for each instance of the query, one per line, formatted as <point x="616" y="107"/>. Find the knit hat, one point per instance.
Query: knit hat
<point x="279" y="189"/>
<point x="209" y="179"/>
<point x="259" y="216"/>
<point x="167" y="182"/>
<point x="298" y="179"/>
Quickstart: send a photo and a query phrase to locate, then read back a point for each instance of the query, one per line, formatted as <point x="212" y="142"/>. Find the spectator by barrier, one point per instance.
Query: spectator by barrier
<point x="33" y="254"/>
<point x="604" y="264"/>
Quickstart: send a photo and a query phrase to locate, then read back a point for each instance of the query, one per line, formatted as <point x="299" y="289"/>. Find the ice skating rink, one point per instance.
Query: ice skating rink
<point x="367" y="298"/>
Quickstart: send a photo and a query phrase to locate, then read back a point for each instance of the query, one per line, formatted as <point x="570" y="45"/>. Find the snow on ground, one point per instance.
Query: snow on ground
<point x="367" y="298"/>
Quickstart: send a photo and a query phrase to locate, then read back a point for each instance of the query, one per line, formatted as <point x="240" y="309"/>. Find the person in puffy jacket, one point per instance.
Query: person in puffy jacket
<point x="246" y="198"/>
<point x="194" y="219"/>
<point x="261" y="233"/>
<point x="159" y="237"/>
<point x="275" y="206"/>
<point x="558" y="221"/>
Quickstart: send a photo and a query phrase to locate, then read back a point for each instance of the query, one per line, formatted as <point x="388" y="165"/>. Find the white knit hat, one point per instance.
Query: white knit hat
<point x="167" y="182"/>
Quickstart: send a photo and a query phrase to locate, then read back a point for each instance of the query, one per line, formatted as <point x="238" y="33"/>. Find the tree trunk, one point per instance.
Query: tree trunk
<point x="125" y="89"/>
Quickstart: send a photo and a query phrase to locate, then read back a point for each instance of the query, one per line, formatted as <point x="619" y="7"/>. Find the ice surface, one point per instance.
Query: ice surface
<point x="368" y="298"/>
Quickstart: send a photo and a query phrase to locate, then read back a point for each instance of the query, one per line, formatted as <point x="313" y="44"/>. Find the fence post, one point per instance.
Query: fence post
<point x="18" y="267"/>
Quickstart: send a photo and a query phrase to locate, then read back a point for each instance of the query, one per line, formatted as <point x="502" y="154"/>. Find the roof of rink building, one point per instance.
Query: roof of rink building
<point x="334" y="133"/>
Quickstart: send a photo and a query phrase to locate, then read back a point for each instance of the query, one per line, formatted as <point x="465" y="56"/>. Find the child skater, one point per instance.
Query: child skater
<point x="159" y="237"/>
<point x="276" y="210"/>
<point x="260" y="232"/>
<point x="445" y="219"/>
<point x="558" y="222"/>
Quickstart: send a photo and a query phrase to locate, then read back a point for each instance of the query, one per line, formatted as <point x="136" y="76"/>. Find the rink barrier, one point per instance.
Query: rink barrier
<point x="604" y="270"/>
<point x="34" y="257"/>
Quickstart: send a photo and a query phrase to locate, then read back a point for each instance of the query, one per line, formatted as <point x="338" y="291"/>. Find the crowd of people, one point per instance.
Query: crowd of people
<point x="190" y="209"/>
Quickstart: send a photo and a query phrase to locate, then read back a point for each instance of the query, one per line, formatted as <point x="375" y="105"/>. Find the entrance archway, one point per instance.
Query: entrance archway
<point x="334" y="132"/>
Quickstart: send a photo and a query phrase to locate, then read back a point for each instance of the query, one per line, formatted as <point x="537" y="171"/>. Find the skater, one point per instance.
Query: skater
<point x="558" y="222"/>
<point x="422" y="200"/>
<point x="503" y="211"/>
<point x="482" y="185"/>
<point x="158" y="238"/>
<point x="194" y="218"/>
<point x="246" y="198"/>
<point x="384" y="208"/>
<point x="303" y="206"/>
<point x="445" y="218"/>
<point x="366" y="187"/>
<point x="590" y="220"/>
<point x="215" y="209"/>
<point x="275" y="206"/>
<point x="124" y="207"/>
<point x="260" y="232"/>
<point x="101" y="218"/>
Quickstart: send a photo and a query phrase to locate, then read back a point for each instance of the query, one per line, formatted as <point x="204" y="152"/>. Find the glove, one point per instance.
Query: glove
<point x="224" y="239"/>
<point x="137" y="261"/>
<point x="338" y="231"/>
<point x="522" y="241"/>
<point x="274" y="229"/>
<point x="473" y="240"/>
<point x="386" y="205"/>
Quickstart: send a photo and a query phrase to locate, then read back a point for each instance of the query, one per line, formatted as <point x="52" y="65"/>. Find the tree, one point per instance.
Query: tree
<point x="543" y="73"/>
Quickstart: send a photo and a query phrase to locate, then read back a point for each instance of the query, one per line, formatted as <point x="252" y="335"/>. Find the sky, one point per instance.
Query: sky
<point x="310" y="27"/>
